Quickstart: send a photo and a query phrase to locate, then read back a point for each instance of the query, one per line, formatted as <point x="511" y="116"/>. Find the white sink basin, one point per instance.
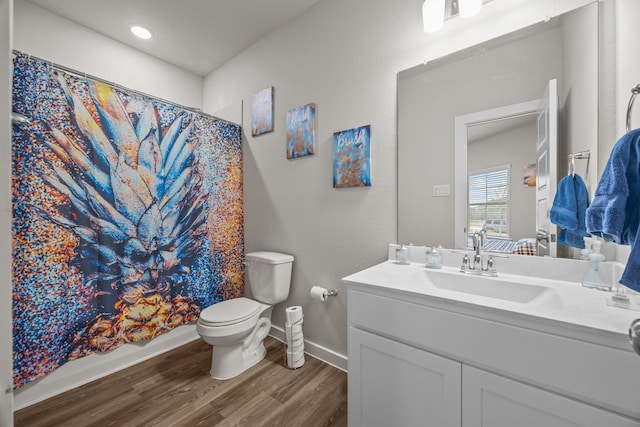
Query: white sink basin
<point x="489" y="287"/>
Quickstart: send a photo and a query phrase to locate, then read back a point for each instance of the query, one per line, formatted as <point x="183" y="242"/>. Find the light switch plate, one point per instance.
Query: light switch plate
<point x="442" y="190"/>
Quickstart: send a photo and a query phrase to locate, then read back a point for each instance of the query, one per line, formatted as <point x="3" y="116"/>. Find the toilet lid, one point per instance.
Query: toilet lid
<point x="229" y="312"/>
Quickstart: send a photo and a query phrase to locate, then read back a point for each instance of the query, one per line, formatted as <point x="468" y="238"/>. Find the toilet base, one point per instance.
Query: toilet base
<point x="229" y="362"/>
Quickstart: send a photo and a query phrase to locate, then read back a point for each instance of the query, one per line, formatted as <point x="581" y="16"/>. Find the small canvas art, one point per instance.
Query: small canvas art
<point x="352" y="157"/>
<point x="301" y="130"/>
<point x="529" y="175"/>
<point x="262" y="109"/>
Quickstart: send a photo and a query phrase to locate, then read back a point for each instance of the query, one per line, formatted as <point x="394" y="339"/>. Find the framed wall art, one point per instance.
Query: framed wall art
<point x="352" y="157"/>
<point x="262" y="112"/>
<point x="301" y="131"/>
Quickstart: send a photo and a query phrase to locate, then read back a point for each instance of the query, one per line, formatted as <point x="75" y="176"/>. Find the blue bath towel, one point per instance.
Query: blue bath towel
<point x="569" y="211"/>
<point x="614" y="213"/>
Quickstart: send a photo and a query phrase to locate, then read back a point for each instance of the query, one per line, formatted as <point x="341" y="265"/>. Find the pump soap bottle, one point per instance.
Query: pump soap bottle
<point x="584" y="253"/>
<point x="595" y="277"/>
<point x="433" y="258"/>
<point x="402" y="255"/>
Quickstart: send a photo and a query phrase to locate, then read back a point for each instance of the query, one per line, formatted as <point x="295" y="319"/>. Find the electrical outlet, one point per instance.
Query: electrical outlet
<point x="442" y="190"/>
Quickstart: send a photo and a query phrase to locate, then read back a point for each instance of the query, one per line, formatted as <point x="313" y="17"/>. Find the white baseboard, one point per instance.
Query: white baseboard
<point x="89" y="368"/>
<point x="319" y="352"/>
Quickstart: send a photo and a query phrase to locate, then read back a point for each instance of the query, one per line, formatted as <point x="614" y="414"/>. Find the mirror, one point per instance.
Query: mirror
<point x="510" y="70"/>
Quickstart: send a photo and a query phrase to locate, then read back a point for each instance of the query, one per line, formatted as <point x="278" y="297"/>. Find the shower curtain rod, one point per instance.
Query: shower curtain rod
<point x="117" y="86"/>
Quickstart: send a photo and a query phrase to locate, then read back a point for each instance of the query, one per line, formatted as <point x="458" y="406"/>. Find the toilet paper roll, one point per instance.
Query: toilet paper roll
<point x="295" y="343"/>
<point x="294" y="314"/>
<point x="295" y="361"/>
<point x="319" y="293"/>
<point x="296" y="329"/>
<point x="296" y="355"/>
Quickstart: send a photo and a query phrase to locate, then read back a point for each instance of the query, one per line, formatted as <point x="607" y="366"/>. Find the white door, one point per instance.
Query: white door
<point x="393" y="384"/>
<point x="547" y="172"/>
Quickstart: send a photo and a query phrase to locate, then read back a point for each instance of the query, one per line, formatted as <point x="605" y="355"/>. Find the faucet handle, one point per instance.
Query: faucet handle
<point x="465" y="264"/>
<point x="491" y="267"/>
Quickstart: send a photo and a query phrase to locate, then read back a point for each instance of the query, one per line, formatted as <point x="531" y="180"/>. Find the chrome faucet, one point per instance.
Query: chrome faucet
<point x="479" y="239"/>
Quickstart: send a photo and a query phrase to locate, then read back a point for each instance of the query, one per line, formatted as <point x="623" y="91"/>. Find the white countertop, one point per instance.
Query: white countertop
<point x="568" y="308"/>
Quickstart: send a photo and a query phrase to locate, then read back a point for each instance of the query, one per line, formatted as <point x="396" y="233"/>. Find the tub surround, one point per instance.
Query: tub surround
<point x="527" y="346"/>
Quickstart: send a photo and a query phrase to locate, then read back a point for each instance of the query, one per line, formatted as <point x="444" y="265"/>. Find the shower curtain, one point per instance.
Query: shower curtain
<point x="127" y="216"/>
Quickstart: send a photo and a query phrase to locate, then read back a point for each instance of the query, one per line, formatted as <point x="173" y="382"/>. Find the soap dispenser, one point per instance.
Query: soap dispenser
<point x="433" y="258"/>
<point x="402" y="255"/>
<point x="584" y="253"/>
<point x="595" y="275"/>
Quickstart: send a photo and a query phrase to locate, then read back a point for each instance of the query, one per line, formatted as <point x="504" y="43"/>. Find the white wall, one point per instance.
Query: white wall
<point x="47" y="36"/>
<point x="627" y="60"/>
<point x="6" y="355"/>
<point x="627" y="75"/>
<point x="344" y="56"/>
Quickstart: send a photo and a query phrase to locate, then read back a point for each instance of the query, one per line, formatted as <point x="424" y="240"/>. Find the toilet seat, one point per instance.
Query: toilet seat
<point x="229" y="312"/>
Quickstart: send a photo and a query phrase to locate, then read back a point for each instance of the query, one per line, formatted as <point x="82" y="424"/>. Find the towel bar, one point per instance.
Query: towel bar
<point x="634" y="91"/>
<point x="582" y="155"/>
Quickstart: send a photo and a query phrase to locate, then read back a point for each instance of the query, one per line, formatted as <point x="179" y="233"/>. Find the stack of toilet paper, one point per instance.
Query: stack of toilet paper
<point x="295" y="340"/>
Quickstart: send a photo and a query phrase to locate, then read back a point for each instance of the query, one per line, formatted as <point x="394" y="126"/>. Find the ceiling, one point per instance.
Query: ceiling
<point x="196" y="35"/>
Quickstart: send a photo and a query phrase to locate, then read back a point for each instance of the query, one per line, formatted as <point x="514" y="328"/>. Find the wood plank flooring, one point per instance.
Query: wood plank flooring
<point x="175" y="389"/>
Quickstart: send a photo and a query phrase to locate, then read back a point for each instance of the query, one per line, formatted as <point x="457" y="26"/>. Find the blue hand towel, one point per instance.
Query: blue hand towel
<point x="569" y="211"/>
<point x="615" y="211"/>
<point x="564" y="211"/>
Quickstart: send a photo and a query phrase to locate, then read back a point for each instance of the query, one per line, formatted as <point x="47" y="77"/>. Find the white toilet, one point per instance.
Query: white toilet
<point x="236" y="328"/>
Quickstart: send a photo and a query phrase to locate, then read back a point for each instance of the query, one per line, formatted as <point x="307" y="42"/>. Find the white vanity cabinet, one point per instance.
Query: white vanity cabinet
<point x="415" y="360"/>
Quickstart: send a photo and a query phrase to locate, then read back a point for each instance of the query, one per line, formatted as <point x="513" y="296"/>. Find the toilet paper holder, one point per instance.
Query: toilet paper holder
<point x="321" y="294"/>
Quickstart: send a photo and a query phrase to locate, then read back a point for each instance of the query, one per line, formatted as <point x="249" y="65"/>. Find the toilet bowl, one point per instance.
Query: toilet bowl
<point x="236" y="328"/>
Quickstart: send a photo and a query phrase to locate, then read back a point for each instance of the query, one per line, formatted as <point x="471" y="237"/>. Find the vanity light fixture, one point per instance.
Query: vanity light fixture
<point x="435" y="12"/>
<point x="140" y="32"/>
<point x="469" y="8"/>
<point x="432" y="15"/>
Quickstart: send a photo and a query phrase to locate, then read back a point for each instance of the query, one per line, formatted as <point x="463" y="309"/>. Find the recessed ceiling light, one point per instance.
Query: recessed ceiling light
<point x="141" y="32"/>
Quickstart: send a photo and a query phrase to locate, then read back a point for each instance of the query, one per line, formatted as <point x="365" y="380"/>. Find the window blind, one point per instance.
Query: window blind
<point x="488" y="201"/>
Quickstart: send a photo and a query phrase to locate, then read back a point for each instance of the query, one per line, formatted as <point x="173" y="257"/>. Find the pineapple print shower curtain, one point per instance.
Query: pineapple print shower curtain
<point x="127" y="217"/>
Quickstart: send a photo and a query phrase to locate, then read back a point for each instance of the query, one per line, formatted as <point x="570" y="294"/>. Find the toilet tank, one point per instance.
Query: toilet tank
<point x="269" y="276"/>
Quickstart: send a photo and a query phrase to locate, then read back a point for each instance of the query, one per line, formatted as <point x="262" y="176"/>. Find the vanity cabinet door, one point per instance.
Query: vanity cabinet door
<point x="491" y="400"/>
<point x="393" y="384"/>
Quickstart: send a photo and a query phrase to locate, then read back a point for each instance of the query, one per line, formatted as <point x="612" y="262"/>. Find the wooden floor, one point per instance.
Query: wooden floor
<point x="175" y="389"/>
